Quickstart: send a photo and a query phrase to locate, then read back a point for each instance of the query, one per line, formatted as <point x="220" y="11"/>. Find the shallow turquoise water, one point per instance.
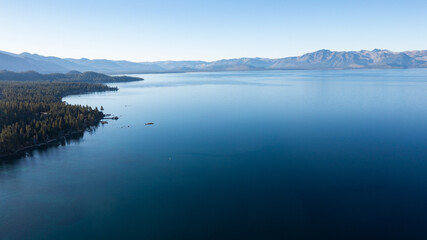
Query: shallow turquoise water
<point x="236" y="155"/>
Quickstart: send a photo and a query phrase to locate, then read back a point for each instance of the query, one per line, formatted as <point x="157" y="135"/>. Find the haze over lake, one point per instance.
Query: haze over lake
<point x="261" y="155"/>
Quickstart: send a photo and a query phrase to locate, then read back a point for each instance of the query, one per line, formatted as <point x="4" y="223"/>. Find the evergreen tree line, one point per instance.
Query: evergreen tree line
<point x="73" y="76"/>
<point x="33" y="112"/>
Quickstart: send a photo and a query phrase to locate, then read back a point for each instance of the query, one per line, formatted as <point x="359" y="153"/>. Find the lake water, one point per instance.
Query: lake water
<point x="236" y="155"/>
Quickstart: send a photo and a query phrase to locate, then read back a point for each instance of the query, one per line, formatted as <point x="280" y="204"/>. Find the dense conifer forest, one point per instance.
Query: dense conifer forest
<point x="32" y="113"/>
<point x="73" y="76"/>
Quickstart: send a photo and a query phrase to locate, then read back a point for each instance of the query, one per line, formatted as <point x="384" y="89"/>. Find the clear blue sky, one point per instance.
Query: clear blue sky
<point x="208" y="30"/>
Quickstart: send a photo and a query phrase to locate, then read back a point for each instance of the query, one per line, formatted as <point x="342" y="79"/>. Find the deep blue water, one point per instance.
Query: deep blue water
<point x="236" y="155"/>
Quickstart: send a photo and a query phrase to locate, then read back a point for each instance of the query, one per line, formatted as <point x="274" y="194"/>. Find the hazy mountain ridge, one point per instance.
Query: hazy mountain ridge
<point x="322" y="59"/>
<point x="418" y="55"/>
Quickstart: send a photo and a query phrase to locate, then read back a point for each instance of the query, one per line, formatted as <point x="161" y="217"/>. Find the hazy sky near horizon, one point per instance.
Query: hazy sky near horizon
<point x="140" y="30"/>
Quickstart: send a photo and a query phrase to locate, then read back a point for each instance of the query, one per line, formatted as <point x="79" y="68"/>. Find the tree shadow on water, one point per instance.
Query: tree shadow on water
<point x="12" y="161"/>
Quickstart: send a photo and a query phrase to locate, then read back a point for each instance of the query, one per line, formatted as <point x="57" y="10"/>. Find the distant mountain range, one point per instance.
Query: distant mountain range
<point x="323" y="59"/>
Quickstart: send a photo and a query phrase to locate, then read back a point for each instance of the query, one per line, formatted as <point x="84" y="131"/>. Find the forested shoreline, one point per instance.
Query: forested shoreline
<point x="32" y="113"/>
<point x="72" y="76"/>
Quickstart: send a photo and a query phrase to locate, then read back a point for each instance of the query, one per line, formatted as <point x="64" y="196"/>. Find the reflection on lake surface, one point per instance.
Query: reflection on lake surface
<point x="238" y="155"/>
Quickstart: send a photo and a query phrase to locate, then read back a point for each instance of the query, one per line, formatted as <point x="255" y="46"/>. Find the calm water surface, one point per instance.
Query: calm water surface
<point x="239" y="155"/>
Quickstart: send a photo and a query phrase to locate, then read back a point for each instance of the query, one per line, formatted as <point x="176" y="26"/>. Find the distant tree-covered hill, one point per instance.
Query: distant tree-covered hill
<point x="72" y="76"/>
